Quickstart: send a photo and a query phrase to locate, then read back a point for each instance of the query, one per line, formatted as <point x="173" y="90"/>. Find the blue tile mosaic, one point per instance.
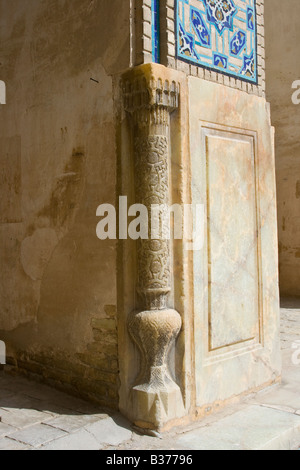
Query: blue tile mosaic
<point x="219" y="35"/>
<point x="155" y="31"/>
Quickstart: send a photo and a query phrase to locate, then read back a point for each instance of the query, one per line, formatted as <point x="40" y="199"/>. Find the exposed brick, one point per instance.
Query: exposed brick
<point x="213" y="76"/>
<point x="200" y="72"/>
<point x="226" y="80"/>
<point x="147" y="30"/>
<point x="170" y="13"/>
<point x="101" y="375"/>
<point x="110" y="349"/>
<point x="104" y="324"/>
<point x="100" y="362"/>
<point x="171" y="38"/>
<point x="170" y="25"/>
<point x="147" y="13"/>
<point x="110" y="337"/>
<point x="170" y="3"/>
<point x="194" y="71"/>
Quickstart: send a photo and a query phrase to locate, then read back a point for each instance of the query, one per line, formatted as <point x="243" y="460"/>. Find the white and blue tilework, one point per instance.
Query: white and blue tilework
<point x="219" y="35"/>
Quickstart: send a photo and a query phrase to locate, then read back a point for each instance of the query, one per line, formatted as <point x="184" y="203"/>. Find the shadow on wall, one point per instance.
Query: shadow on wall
<point x="282" y="35"/>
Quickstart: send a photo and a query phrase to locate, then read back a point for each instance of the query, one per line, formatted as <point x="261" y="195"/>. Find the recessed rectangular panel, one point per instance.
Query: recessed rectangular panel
<point x="233" y="290"/>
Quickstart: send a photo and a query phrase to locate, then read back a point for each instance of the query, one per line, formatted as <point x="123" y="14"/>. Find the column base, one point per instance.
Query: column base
<point x="154" y="405"/>
<point x="155" y="398"/>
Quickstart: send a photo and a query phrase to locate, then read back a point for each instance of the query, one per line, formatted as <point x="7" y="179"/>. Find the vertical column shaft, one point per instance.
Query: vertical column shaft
<point x="154" y="328"/>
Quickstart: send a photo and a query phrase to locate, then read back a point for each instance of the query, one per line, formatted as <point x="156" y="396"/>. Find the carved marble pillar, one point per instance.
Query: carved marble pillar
<point x="149" y="101"/>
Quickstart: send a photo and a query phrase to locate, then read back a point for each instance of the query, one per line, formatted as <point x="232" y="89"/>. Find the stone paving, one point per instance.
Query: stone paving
<point x="35" y="416"/>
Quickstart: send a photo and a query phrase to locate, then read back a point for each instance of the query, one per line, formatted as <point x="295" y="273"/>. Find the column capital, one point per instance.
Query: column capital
<point x="149" y="87"/>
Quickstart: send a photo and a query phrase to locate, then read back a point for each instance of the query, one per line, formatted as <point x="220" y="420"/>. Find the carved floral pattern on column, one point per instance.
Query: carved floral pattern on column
<point x="151" y="167"/>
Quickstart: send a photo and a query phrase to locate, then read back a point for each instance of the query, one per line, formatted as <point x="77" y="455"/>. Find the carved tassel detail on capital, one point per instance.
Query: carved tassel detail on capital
<point x="156" y="397"/>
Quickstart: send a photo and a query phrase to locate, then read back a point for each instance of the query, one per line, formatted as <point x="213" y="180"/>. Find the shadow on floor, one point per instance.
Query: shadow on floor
<point x="17" y="392"/>
<point x="290" y="303"/>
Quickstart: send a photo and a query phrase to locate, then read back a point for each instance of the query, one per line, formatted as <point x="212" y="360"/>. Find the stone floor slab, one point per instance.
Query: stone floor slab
<point x="255" y="428"/>
<point x="23" y="418"/>
<point x="38" y="435"/>
<point x="6" y="429"/>
<point x="281" y="397"/>
<point x="10" y="444"/>
<point x="81" y="440"/>
<point x="111" y="431"/>
<point x="73" y="423"/>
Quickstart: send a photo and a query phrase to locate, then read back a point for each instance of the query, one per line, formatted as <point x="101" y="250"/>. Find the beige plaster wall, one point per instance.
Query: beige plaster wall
<point x="282" y="69"/>
<point x="57" y="164"/>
